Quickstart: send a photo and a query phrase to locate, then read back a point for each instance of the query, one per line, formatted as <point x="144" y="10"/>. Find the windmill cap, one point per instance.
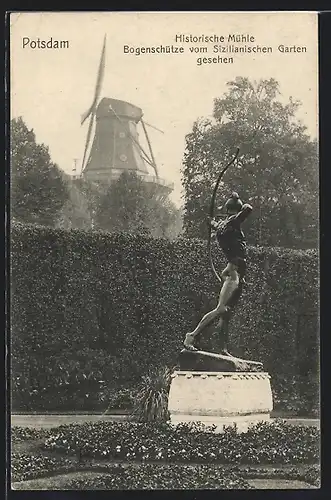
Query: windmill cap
<point x="123" y="109"/>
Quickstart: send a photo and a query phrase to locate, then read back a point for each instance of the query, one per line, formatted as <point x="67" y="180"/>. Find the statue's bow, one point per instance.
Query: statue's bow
<point x="211" y="212"/>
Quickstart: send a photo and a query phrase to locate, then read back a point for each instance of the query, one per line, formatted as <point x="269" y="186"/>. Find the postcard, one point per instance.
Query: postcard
<point x="164" y="194"/>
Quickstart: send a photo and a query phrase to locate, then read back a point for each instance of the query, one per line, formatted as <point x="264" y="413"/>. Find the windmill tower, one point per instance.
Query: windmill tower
<point x="116" y="147"/>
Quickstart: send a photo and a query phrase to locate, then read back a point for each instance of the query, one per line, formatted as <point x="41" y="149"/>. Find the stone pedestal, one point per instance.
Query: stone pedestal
<point x="220" y="398"/>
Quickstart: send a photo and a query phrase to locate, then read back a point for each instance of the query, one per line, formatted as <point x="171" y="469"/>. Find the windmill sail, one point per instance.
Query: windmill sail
<point x="100" y="76"/>
<point x="150" y="148"/>
<point x="92" y="108"/>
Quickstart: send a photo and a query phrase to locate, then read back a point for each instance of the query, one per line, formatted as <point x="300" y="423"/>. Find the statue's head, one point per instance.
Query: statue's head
<point x="233" y="204"/>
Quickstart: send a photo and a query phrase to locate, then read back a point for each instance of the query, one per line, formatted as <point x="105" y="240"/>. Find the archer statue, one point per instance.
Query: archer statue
<point x="232" y="242"/>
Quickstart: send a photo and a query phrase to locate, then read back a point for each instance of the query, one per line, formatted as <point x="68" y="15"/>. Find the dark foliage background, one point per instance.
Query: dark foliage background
<point x="93" y="311"/>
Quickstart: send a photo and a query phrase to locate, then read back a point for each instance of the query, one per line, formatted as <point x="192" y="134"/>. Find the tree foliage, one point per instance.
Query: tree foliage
<point x="38" y="190"/>
<point x="277" y="168"/>
<point x="77" y="212"/>
<point x="134" y="206"/>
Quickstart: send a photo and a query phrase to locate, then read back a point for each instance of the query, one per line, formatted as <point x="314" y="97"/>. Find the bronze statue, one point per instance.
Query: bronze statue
<point x="231" y="240"/>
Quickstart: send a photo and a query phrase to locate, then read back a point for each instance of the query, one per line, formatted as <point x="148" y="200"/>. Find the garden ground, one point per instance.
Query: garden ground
<point x="93" y="471"/>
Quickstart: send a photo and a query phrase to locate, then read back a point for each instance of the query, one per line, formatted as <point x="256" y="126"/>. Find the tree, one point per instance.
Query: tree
<point x="38" y="190"/>
<point x="134" y="206"/>
<point x="277" y="168"/>
<point x="77" y="211"/>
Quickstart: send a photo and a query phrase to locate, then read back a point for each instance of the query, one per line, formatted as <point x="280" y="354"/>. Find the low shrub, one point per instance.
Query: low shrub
<point x="264" y="443"/>
<point x="310" y="475"/>
<point x="29" y="433"/>
<point x="29" y="466"/>
<point x="122" y="398"/>
<point x="152" y="476"/>
<point x="151" y="403"/>
<point x="295" y="395"/>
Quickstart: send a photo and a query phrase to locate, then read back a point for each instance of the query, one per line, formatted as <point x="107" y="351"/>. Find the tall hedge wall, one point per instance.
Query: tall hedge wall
<point x="91" y="308"/>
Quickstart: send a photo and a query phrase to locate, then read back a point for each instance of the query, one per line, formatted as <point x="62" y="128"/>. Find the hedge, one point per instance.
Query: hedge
<point x="93" y="310"/>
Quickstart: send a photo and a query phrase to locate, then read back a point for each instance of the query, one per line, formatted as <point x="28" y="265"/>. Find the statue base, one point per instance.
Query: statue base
<point x="220" y="398"/>
<point x="209" y="361"/>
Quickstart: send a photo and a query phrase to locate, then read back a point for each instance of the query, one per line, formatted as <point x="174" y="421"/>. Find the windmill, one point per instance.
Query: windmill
<point x="116" y="147"/>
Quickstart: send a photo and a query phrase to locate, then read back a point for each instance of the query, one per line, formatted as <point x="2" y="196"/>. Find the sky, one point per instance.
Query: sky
<point x="52" y="88"/>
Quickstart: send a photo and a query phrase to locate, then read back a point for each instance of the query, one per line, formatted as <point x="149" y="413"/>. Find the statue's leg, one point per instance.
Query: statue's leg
<point x="222" y="331"/>
<point x="206" y="320"/>
<point x="231" y="284"/>
<point x="231" y="281"/>
<point x="222" y="327"/>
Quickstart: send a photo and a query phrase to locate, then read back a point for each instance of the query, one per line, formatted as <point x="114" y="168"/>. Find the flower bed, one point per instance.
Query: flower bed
<point x="264" y="443"/>
<point x="151" y="476"/>
<point x="116" y="476"/>
<point x="29" y="466"/>
<point x="310" y="475"/>
<point x="29" y="433"/>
